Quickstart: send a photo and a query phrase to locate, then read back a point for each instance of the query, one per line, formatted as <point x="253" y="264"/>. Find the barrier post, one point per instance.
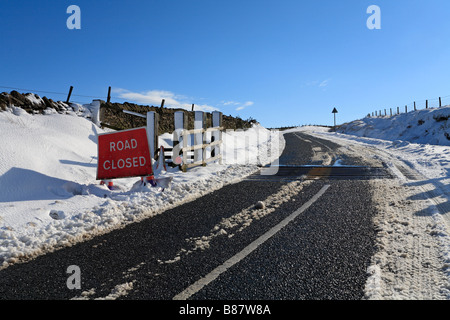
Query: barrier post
<point x="152" y="132"/>
<point x="199" y="123"/>
<point x="180" y="122"/>
<point x="217" y="134"/>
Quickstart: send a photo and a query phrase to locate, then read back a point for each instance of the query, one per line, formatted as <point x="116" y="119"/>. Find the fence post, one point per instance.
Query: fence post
<point x="398" y="110"/>
<point x="415" y="106"/>
<point x="199" y="123"/>
<point x="180" y="121"/>
<point x="108" y="98"/>
<point x="216" y="135"/>
<point x="440" y="102"/>
<point x="406" y="109"/>
<point x="426" y="106"/>
<point x="95" y="110"/>
<point x="70" y="93"/>
<point x="185" y="144"/>
<point x="152" y="132"/>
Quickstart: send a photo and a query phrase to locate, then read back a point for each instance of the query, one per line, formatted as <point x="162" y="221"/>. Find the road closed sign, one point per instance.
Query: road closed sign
<point x="123" y="154"/>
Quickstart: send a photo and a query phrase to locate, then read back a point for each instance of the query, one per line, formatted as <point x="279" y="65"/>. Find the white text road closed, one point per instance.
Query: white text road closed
<point x="125" y="163"/>
<point x="123" y="154"/>
<point x="122" y="145"/>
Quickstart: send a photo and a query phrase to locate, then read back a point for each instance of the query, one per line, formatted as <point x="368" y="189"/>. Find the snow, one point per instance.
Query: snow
<point x="34" y="99"/>
<point x="50" y="197"/>
<point x="413" y="257"/>
<point x="427" y="126"/>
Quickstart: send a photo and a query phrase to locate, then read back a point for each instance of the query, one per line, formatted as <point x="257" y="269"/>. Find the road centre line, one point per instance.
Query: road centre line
<point x="201" y="283"/>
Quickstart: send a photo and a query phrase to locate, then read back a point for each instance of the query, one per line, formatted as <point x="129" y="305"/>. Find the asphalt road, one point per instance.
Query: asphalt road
<point x="320" y="254"/>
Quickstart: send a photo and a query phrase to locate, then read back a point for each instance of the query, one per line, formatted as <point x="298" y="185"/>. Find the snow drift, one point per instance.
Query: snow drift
<point x="428" y="126"/>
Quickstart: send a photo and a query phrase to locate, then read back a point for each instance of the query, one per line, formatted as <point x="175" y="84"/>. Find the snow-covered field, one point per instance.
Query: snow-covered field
<point x="49" y="196"/>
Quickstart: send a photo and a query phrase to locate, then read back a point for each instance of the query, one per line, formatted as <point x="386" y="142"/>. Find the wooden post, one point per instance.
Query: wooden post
<point x="162" y="103"/>
<point x="152" y="132"/>
<point x="180" y="121"/>
<point x="406" y="109"/>
<point x="398" y="110"/>
<point x="70" y="93"/>
<point x="192" y="107"/>
<point x="185" y="144"/>
<point x="415" y="106"/>
<point x="426" y="106"/>
<point x="440" y="102"/>
<point x="108" y="99"/>
<point x="199" y="123"/>
<point x="95" y="107"/>
<point x="216" y="135"/>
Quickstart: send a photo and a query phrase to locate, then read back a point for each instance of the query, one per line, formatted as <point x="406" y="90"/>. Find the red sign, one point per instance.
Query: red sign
<point x="123" y="154"/>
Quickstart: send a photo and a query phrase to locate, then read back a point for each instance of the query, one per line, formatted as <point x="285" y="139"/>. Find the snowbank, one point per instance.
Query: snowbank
<point x="49" y="196"/>
<point x="428" y="126"/>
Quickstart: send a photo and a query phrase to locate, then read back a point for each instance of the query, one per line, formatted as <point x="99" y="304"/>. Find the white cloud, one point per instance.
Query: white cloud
<point x="324" y="83"/>
<point x="229" y="103"/>
<point x="245" y="105"/>
<point x="155" y="97"/>
<point x="238" y="105"/>
<point x="318" y="83"/>
<point x="312" y="83"/>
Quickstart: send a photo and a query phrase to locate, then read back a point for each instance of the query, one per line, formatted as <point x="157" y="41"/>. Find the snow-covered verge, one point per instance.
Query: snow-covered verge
<point x="412" y="259"/>
<point x="413" y="245"/>
<point x="427" y="126"/>
<point x="49" y="195"/>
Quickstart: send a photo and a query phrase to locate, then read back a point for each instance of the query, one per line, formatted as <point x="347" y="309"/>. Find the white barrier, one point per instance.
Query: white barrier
<point x="182" y="136"/>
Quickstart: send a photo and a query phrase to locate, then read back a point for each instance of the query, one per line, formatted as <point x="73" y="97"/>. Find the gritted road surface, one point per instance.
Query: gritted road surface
<point x="314" y="240"/>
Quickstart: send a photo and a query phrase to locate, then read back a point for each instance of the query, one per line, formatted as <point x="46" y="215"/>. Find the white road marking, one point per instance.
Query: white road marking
<point x="201" y="283"/>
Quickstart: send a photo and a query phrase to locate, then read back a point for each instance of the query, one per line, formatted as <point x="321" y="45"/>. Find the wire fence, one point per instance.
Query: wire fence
<point x="382" y="112"/>
<point x="412" y="106"/>
<point x="68" y="94"/>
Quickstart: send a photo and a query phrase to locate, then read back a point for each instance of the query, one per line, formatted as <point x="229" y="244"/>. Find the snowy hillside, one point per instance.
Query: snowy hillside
<point x="49" y="195"/>
<point x="428" y="126"/>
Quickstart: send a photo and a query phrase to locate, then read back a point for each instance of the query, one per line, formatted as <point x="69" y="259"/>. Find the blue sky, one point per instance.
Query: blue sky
<point x="284" y="62"/>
